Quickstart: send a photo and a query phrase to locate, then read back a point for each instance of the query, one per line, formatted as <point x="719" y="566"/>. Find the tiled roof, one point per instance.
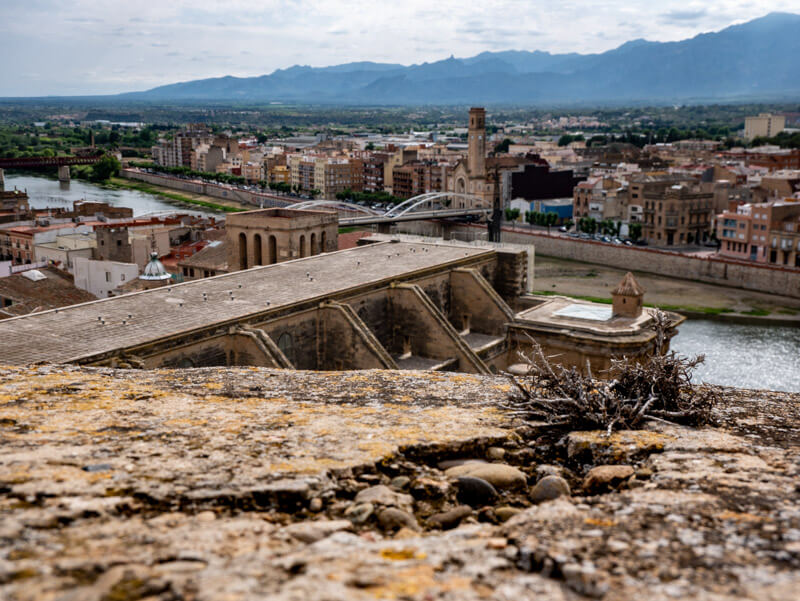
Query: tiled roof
<point x="27" y="296"/>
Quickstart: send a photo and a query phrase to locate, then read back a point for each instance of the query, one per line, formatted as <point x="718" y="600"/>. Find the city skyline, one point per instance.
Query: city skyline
<point x="94" y="47"/>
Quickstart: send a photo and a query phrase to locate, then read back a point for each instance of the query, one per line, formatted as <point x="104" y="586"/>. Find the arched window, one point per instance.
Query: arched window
<point x="322" y="242"/>
<point x="242" y="251"/>
<point x="257" y="258"/>
<point x="273" y="250"/>
<point x="461" y="185"/>
<point x="285" y="344"/>
<point x="313" y="244"/>
<point x="302" y="246"/>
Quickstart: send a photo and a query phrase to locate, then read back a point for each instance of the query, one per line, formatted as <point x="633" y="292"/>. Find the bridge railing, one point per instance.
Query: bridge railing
<point x="28" y="162"/>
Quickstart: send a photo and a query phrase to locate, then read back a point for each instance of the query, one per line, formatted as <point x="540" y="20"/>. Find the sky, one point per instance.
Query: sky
<point x="75" y="47"/>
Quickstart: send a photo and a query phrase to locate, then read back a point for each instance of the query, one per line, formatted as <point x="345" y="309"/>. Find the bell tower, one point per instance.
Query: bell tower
<point x="477" y="142"/>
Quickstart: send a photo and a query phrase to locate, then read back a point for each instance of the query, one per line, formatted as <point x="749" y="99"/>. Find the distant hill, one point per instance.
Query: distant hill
<point x="755" y="60"/>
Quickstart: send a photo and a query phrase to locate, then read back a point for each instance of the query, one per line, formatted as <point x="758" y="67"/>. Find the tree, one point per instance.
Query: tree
<point x="635" y="231"/>
<point x="551" y="219"/>
<point x="369" y="146"/>
<point x="105" y="168"/>
<point x="511" y="214"/>
<point x="503" y="146"/>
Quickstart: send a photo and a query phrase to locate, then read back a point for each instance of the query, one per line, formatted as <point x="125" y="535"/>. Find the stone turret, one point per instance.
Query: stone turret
<point x="627" y="297"/>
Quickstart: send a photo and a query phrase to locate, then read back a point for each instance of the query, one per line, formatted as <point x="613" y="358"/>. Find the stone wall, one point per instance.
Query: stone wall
<point x="256" y="199"/>
<point x="762" y="278"/>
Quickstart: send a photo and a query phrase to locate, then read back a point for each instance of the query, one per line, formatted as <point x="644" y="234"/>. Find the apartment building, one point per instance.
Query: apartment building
<point x="17" y="243"/>
<point x="765" y="125"/>
<point x="419" y="177"/>
<point x="601" y="198"/>
<point x="763" y="232"/>
<point x="675" y="211"/>
<point x="178" y="151"/>
<point x="329" y="175"/>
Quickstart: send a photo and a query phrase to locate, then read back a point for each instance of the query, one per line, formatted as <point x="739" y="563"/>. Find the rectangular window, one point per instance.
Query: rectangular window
<point x="108" y="276"/>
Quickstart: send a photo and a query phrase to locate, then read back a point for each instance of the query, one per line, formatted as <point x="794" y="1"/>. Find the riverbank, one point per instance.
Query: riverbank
<point x="200" y="200"/>
<point x="694" y="299"/>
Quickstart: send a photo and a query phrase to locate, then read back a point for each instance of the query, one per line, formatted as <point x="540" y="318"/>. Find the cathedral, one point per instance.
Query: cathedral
<point x="471" y="176"/>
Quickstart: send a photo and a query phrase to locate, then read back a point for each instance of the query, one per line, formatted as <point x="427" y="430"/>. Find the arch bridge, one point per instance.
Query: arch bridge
<point x="431" y="205"/>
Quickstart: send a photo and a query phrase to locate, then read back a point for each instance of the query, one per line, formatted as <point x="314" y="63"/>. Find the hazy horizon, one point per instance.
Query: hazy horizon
<point x="93" y="47"/>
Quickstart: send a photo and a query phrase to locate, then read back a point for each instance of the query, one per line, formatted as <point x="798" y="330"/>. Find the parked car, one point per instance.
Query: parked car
<point x="641" y="243"/>
<point x="563" y="228"/>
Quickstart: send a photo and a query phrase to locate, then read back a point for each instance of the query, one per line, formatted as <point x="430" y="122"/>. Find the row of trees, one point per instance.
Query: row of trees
<point x="545" y="219"/>
<point x="368" y="197"/>
<point x="223" y="178"/>
<point x="607" y="227"/>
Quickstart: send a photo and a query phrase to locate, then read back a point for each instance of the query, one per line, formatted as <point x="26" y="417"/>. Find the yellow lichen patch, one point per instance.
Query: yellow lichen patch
<point x="600" y="522"/>
<point x="213" y="385"/>
<point x="403" y="554"/>
<point x="739" y="517"/>
<point x="412" y="582"/>
<point x="186" y="422"/>
<point x="619" y="445"/>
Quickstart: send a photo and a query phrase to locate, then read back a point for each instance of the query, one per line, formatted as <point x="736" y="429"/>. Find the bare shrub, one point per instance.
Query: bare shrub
<point x="658" y="387"/>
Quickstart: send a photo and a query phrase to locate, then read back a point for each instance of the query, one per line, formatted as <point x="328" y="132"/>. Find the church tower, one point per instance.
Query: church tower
<point x="477" y="142"/>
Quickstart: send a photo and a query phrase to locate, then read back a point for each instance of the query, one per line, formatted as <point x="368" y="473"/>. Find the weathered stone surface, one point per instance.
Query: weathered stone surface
<point x="383" y="495"/>
<point x="717" y="519"/>
<point x="392" y="518"/>
<point x="604" y="477"/>
<point x="400" y="482"/>
<point x="499" y="475"/>
<point x="311" y="532"/>
<point x="505" y="513"/>
<point x="549" y="487"/>
<point x="428" y="488"/>
<point x="450" y="519"/>
<point x="358" y="513"/>
<point x="496" y="453"/>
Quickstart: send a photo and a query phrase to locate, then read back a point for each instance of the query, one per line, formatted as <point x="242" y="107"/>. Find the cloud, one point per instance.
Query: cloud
<point x="86" y="20"/>
<point x="682" y="16"/>
<point x="266" y="35"/>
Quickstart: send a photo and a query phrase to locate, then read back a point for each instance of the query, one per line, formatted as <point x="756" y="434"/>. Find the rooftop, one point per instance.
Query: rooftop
<point x="576" y="317"/>
<point x="77" y="332"/>
<point x="57" y="289"/>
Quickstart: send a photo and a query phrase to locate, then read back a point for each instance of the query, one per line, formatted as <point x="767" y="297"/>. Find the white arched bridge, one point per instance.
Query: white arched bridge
<point x="432" y="205"/>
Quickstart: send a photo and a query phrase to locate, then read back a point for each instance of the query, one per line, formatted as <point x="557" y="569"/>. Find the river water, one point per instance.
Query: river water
<point x="46" y="192"/>
<point x="746" y="356"/>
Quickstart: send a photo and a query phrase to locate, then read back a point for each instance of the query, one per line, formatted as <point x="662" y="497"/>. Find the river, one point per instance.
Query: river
<point x="746" y="356"/>
<point x="47" y="192"/>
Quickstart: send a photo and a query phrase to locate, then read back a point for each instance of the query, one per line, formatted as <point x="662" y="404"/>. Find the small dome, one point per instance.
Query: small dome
<point x="154" y="270"/>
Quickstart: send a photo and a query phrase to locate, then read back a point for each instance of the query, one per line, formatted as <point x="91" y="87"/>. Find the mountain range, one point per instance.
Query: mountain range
<point x="757" y="60"/>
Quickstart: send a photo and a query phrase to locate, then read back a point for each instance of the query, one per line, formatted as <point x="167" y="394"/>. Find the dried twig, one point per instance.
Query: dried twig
<point x="658" y="388"/>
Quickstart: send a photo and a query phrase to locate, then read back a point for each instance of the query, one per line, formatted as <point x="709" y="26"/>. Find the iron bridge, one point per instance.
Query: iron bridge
<point x="432" y="205"/>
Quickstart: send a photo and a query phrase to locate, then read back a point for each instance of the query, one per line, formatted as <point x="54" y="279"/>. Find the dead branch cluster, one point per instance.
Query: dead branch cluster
<point x="657" y="387"/>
